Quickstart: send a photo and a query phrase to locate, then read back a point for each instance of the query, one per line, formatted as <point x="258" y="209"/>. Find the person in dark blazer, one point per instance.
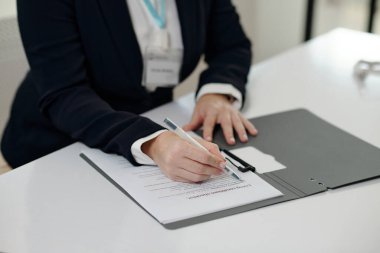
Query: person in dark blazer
<point x="87" y="80"/>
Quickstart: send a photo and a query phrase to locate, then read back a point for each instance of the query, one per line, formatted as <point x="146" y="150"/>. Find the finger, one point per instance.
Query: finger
<point x="239" y="127"/>
<point x="228" y="133"/>
<point x="249" y="126"/>
<point x="175" y="177"/>
<point x="208" y="126"/>
<point x="199" y="168"/>
<point x="190" y="176"/>
<point x="200" y="156"/>
<point x="212" y="147"/>
<point x="180" y="179"/>
<point x="195" y="123"/>
<point x="176" y="173"/>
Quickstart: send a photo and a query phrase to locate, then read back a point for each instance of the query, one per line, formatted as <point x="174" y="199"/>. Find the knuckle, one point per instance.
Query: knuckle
<point x="199" y="178"/>
<point x="238" y="124"/>
<point x="207" y="131"/>
<point x="172" y="177"/>
<point x="198" y="168"/>
<point x="170" y="159"/>
<point x="241" y="130"/>
<point x="207" y="124"/>
<point x="177" y="147"/>
<point x="223" y="118"/>
<point x="206" y="128"/>
<point x="214" y="146"/>
<point x="211" y="161"/>
<point x="246" y="122"/>
<point x="170" y="170"/>
<point x="177" y="150"/>
<point x="226" y="124"/>
<point x="227" y="133"/>
<point x="204" y="157"/>
<point x="249" y="123"/>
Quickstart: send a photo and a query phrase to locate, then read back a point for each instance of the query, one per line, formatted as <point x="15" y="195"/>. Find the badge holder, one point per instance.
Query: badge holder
<point x="162" y="64"/>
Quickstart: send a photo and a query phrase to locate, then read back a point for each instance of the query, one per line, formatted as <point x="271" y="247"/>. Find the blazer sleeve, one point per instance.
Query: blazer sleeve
<point x="58" y="66"/>
<point x="228" y="50"/>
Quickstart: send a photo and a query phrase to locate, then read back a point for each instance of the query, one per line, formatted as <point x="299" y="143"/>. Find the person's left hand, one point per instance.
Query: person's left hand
<point x="212" y="109"/>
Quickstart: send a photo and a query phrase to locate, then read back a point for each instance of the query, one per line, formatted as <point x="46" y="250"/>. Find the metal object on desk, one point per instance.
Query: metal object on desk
<point x="363" y="68"/>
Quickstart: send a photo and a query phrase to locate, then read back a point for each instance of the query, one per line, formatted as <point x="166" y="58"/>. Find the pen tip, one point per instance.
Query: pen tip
<point x="236" y="176"/>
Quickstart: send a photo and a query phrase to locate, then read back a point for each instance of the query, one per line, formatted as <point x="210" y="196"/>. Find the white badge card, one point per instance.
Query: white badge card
<point x="161" y="67"/>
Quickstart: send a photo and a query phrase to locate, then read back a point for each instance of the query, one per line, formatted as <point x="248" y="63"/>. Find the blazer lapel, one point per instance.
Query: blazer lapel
<point x="189" y="24"/>
<point x="120" y="25"/>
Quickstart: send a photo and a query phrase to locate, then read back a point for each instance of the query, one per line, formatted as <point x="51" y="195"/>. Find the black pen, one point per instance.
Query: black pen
<point x="245" y="166"/>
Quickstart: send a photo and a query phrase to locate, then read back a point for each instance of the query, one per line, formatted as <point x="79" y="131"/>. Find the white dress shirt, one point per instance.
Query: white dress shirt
<point x="144" y="26"/>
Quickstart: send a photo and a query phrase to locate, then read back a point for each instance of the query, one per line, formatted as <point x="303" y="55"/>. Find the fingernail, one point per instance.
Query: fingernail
<point x="245" y="137"/>
<point x="232" y="140"/>
<point x="222" y="165"/>
<point x="208" y="138"/>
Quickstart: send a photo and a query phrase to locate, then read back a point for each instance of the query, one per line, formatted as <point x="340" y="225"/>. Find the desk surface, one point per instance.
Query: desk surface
<point x="60" y="204"/>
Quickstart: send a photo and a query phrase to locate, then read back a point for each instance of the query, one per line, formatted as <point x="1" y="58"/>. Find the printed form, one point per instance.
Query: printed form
<point x="169" y="201"/>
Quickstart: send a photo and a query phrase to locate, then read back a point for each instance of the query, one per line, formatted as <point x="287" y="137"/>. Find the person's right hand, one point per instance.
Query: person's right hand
<point x="181" y="161"/>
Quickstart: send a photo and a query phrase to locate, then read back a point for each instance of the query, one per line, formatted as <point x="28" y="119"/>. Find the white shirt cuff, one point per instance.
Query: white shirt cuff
<point x="137" y="153"/>
<point x="222" y="88"/>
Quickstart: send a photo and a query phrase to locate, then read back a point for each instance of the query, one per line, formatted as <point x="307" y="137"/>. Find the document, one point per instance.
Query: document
<point x="169" y="201"/>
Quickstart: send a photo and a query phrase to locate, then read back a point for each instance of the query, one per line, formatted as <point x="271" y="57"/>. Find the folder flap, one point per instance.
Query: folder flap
<point x="317" y="155"/>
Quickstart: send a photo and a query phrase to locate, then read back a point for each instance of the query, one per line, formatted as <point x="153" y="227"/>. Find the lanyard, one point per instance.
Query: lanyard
<point x="159" y="19"/>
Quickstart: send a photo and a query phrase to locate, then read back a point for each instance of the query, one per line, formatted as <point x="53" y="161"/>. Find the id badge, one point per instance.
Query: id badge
<point x="161" y="67"/>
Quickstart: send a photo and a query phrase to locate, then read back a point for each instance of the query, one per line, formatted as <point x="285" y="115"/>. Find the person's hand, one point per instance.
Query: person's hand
<point x="212" y="109"/>
<point x="181" y="161"/>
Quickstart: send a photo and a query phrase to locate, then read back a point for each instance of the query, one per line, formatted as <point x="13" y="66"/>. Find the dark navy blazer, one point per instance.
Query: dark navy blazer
<point x="86" y="69"/>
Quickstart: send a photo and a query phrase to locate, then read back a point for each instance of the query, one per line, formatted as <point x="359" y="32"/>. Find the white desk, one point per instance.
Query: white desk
<point x="60" y="204"/>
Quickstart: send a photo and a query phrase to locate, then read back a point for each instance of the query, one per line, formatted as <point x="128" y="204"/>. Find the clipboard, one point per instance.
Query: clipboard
<point x="318" y="157"/>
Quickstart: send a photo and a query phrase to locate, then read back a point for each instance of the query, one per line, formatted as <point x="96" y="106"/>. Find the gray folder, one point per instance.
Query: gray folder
<point x="318" y="157"/>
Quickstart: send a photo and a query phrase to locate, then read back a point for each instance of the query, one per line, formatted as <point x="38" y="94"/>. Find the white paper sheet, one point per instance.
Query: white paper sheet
<point x="261" y="161"/>
<point x="170" y="201"/>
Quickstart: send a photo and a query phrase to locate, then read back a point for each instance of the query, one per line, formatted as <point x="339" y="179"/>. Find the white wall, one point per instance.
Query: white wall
<point x="7" y="8"/>
<point x="329" y="14"/>
<point x="273" y="25"/>
<point x="277" y="25"/>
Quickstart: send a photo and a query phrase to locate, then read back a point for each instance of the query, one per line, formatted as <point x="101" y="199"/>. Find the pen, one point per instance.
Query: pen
<point x="181" y="133"/>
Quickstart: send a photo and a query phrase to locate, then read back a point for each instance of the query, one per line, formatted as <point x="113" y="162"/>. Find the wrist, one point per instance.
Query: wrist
<point x="149" y="147"/>
<point x="221" y="97"/>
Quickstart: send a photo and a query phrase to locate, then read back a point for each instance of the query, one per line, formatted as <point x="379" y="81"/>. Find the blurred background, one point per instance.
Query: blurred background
<point x="274" y="26"/>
